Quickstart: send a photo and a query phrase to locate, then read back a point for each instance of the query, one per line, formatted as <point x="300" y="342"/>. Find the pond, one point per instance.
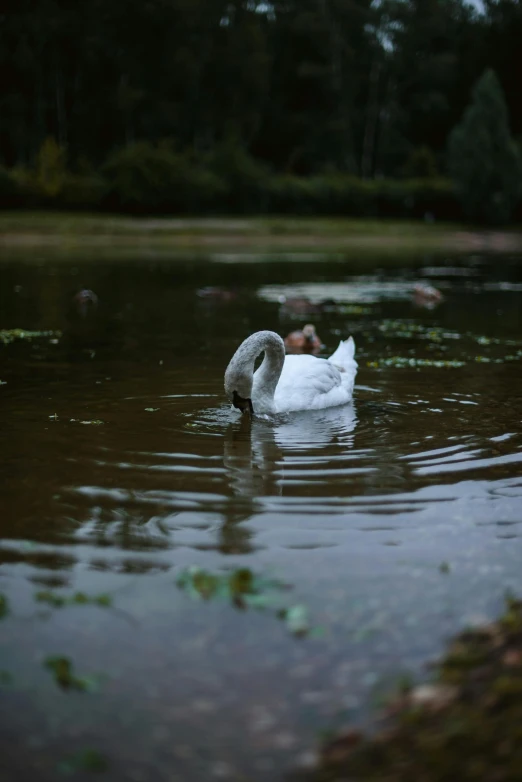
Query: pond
<point x="189" y="595"/>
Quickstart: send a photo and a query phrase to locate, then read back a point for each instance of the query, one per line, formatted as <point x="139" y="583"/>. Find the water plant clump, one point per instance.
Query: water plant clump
<point x="466" y="725"/>
<point x="64" y="676"/>
<point x="403" y="362"/>
<point x="10" y="335"/>
<point x="79" y="598"/>
<point x="244" y="589"/>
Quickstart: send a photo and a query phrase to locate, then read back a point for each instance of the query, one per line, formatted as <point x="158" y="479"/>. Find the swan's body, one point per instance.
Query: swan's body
<point x="286" y="383"/>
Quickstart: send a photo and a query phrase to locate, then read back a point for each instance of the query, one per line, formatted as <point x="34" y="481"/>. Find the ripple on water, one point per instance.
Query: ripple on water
<point x="394" y="520"/>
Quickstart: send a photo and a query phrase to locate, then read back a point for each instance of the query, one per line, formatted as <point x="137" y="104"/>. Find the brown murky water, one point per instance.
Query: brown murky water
<point x="392" y="522"/>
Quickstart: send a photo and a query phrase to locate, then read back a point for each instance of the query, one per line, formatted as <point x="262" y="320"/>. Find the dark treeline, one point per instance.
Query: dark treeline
<point x="212" y="89"/>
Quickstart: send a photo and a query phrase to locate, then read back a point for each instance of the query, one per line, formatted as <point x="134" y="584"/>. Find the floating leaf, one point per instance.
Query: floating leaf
<point x="65" y="678"/>
<point x="296" y="619"/>
<point x="243" y="589"/>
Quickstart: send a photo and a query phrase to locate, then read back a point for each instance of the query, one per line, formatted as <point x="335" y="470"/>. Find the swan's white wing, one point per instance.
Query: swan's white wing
<point x="309" y="383"/>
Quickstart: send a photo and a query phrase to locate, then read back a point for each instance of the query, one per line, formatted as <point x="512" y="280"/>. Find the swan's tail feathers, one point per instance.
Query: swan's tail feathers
<point x="343" y="358"/>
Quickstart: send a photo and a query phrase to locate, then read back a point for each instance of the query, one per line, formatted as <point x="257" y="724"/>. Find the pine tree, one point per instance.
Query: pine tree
<point x="483" y="159"/>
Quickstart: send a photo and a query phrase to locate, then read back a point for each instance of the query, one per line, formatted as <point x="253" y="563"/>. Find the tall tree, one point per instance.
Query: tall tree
<point x="483" y="158"/>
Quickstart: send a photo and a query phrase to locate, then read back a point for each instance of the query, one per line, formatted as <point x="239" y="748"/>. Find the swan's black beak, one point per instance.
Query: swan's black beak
<point x="245" y="405"/>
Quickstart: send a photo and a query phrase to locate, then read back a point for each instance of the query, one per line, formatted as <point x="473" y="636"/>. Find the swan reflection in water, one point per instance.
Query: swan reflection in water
<point x="257" y="451"/>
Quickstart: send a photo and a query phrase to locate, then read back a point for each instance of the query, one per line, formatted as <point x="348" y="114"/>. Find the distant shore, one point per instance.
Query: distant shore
<point x="71" y="231"/>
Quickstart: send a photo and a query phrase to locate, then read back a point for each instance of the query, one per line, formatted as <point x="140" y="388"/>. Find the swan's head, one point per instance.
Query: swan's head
<point x="238" y="388"/>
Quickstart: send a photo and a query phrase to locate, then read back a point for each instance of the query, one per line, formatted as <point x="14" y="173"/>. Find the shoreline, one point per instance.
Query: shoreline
<point x="21" y="230"/>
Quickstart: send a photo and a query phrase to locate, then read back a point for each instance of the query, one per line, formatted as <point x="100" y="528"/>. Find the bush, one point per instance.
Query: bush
<point x="83" y="191"/>
<point x="148" y="178"/>
<point x="421" y="164"/>
<point x="349" y="196"/>
<point x="9" y="192"/>
<point x="245" y="179"/>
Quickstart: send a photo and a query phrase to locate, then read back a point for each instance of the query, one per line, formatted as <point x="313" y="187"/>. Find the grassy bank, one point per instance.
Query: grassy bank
<point x="465" y="726"/>
<point x="70" y="230"/>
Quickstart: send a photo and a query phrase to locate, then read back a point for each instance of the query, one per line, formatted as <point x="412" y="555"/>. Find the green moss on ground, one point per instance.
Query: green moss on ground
<point x="466" y="725"/>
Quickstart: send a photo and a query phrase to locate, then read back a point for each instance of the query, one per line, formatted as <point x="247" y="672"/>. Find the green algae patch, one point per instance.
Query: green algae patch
<point x="403" y="362"/>
<point x="57" y="600"/>
<point x="243" y="589"/>
<point x="466" y="725"/>
<point x="449" y="349"/>
<point x="65" y="677"/>
<point x="10" y="335"/>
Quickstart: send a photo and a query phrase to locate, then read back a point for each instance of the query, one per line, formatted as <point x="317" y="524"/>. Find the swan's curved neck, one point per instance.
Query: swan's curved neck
<point x="239" y="376"/>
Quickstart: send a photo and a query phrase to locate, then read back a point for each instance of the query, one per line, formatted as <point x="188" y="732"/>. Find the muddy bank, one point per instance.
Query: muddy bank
<point x="466" y="725"/>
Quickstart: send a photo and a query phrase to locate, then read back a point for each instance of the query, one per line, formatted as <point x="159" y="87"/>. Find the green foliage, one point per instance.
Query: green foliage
<point x="421" y="164"/>
<point x="246" y="180"/>
<point x="8" y="189"/>
<point x="146" y="177"/>
<point x="83" y="191"/>
<point x="483" y="158"/>
<point x="350" y="196"/>
<point x="51" y="169"/>
<point x="297" y="88"/>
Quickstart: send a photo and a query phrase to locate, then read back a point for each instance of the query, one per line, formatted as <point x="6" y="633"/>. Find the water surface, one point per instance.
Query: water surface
<point x="391" y="522"/>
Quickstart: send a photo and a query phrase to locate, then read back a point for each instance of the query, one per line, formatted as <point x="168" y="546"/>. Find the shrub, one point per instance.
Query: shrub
<point x="9" y="192"/>
<point x="421" y="164"/>
<point x="148" y="178"/>
<point x="349" y="196"/>
<point x="246" y="180"/>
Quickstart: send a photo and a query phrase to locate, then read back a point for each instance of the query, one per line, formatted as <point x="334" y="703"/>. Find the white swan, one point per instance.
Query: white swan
<point x="286" y="383"/>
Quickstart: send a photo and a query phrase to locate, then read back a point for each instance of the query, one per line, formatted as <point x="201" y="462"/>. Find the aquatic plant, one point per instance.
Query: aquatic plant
<point x="245" y="590"/>
<point x="10" y="335"/>
<point x="79" y="598"/>
<point x="415" y="363"/>
<point x="65" y="677"/>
